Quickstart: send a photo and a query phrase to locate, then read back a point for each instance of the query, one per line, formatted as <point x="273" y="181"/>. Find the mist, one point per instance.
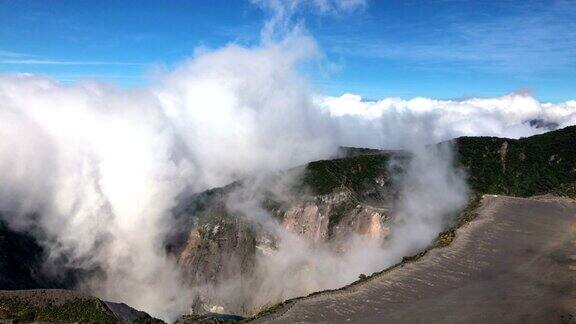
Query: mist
<point x="429" y="194"/>
<point x="94" y="170"/>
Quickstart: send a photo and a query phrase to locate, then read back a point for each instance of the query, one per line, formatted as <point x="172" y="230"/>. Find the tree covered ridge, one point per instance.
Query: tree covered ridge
<point x="529" y="166"/>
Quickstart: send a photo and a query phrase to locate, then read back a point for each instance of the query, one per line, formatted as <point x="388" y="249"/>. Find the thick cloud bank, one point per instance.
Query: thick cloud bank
<point x="388" y="122"/>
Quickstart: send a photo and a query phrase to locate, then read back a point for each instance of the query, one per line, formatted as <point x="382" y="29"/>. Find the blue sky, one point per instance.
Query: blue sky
<point x="404" y="48"/>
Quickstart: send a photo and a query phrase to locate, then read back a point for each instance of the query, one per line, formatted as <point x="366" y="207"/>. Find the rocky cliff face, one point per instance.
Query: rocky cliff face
<point x="225" y="250"/>
<point x="218" y="251"/>
<point x="218" y="246"/>
<point x="334" y="218"/>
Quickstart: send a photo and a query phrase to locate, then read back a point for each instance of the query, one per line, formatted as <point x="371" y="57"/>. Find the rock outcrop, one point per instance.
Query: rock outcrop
<point x="223" y="243"/>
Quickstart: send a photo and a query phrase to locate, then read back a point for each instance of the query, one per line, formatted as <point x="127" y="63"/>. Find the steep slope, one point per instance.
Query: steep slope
<point x="325" y="203"/>
<point x="525" y="167"/>
<point x="520" y="167"/>
<point x="21" y="260"/>
<point x="23" y="263"/>
<point x="65" y="306"/>
<point x="514" y="263"/>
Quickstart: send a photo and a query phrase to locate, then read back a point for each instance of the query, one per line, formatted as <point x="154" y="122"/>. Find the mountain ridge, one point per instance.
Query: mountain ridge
<point x="352" y="193"/>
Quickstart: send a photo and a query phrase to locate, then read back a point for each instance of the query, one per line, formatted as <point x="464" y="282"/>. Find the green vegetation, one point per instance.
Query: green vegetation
<point x="358" y="176"/>
<point x="346" y="151"/>
<point x="536" y="165"/>
<point x="468" y="214"/>
<point x="566" y="190"/>
<point x="77" y="310"/>
<point x="338" y="212"/>
<point x="353" y="173"/>
<point x="530" y="166"/>
<point x="272" y="309"/>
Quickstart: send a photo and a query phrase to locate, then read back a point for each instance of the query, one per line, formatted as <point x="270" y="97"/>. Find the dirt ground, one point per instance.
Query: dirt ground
<point x="515" y="263"/>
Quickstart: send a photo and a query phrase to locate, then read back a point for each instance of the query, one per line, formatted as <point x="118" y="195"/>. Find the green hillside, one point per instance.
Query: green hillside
<point x="535" y="165"/>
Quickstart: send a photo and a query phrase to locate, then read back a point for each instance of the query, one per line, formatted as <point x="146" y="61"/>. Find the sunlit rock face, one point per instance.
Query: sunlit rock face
<point x="307" y="220"/>
<point x="221" y="253"/>
<point x="325" y="219"/>
<point x="228" y="253"/>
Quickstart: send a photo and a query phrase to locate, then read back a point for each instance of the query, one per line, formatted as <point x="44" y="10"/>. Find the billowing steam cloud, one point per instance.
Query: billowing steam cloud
<point x="430" y="193"/>
<point x="94" y="170"/>
<point x="98" y="168"/>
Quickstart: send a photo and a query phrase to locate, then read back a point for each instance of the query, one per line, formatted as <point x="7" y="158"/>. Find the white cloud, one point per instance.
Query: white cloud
<point x="387" y="122"/>
<point x="102" y="166"/>
<point x="284" y="13"/>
